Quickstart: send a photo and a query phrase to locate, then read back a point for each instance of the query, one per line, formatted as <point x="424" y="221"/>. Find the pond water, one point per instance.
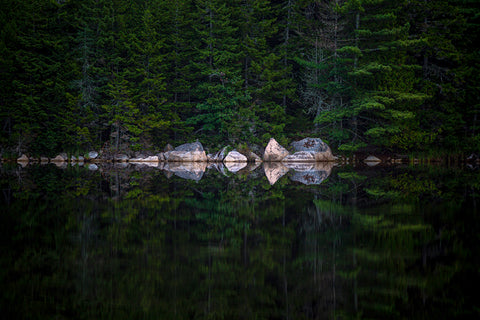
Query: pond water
<point x="325" y="242"/>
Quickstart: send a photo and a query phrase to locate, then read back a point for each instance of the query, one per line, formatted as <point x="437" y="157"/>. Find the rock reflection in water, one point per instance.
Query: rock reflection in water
<point x="310" y="173"/>
<point x="274" y="171"/>
<point x="187" y="170"/>
<point x="235" y="166"/>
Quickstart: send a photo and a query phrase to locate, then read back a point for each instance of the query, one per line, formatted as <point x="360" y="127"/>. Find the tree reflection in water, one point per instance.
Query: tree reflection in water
<point x="138" y="242"/>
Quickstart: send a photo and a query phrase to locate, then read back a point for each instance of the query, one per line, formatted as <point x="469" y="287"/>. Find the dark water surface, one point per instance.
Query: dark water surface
<point x="260" y="243"/>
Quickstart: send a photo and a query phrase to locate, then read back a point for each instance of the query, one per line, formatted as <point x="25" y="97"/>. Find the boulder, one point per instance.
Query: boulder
<point x="91" y="155"/>
<point x="274" y="171"/>
<point x="120" y="157"/>
<point x="188" y="152"/>
<point x="186" y="156"/>
<point x="194" y="146"/>
<point x="300" y="156"/>
<point x="62" y="157"/>
<point x="274" y="151"/>
<point x="80" y="159"/>
<point x="235" y="156"/>
<point x="315" y="146"/>
<point x="23" y="158"/>
<point x="44" y="160"/>
<point x="168" y="147"/>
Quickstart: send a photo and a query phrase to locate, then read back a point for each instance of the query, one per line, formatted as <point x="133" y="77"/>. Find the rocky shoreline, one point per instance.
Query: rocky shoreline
<point x="306" y="150"/>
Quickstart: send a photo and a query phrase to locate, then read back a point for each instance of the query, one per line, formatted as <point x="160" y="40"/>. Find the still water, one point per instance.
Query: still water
<point x="265" y="242"/>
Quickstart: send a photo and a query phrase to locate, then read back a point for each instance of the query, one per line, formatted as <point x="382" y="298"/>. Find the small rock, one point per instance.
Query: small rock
<point x="168" y="147"/>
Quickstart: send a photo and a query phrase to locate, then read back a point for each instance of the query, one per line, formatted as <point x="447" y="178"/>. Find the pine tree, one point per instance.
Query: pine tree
<point x="385" y="77"/>
<point x="219" y="91"/>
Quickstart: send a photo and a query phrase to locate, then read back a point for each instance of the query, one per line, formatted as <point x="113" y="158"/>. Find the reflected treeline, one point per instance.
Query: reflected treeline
<point x="143" y="243"/>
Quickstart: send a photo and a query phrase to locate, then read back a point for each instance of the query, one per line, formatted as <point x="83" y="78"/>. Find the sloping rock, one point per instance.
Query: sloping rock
<point x="316" y="146"/>
<point x="195" y="146"/>
<point x="185" y="156"/>
<point x="235" y="156"/>
<point x="274" y="151"/>
<point x="188" y="170"/>
<point x="23" y="158"/>
<point x="300" y="156"/>
<point x="274" y="171"/>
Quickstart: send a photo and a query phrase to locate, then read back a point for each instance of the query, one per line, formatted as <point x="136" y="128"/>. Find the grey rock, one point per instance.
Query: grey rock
<point x="316" y="146"/>
<point x="191" y="147"/>
<point x="92" y="155"/>
<point x="300" y="156"/>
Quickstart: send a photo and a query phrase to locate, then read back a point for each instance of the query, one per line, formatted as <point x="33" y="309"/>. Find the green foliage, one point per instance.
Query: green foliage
<point x="396" y="75"/>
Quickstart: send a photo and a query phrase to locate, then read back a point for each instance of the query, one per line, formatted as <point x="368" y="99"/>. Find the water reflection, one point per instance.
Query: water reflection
<point x="123" y="243"/>
<point x="306" y="173"/>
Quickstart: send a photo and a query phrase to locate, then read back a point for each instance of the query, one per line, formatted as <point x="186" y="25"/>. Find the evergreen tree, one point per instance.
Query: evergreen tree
<point x="219" y="91"/>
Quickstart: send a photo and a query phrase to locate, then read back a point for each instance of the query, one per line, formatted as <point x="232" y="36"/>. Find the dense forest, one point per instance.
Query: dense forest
<point x="399" y="76"/>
